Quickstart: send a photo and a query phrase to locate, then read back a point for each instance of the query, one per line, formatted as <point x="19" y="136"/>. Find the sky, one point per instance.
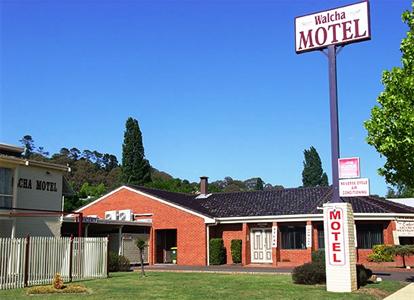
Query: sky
<point x="216" y="86"/>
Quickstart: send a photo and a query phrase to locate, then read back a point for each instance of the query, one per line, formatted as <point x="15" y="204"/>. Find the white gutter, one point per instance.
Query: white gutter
<point x="304" y="217"/>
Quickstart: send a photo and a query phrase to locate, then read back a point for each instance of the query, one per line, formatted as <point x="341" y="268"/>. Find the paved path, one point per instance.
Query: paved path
<point x="384" y="274"/>
<point x="406" y="293"/>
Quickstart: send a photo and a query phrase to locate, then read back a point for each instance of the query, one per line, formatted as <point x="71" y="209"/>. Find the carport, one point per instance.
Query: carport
<point x="122" y="234"/>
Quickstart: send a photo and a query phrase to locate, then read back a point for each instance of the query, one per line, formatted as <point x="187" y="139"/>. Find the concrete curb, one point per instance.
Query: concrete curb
<point x="217" y="272"/>
<point x="406" y="293"/>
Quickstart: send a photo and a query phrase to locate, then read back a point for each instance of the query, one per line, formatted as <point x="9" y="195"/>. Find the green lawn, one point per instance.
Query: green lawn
<point x="165" y="285"/>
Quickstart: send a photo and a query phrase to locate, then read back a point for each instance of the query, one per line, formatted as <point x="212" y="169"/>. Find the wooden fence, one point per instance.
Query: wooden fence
<point x="35" y="260"/>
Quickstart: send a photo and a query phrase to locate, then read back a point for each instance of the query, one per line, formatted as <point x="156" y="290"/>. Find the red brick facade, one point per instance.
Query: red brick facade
<point x="191" y="231"/>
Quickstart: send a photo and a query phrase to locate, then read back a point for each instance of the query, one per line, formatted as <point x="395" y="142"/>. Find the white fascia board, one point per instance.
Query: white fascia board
<point x="380" y="216"/>
<point x="206" y="219"/>
<point x="261" y="219"/>
<point x="313" y="217"/>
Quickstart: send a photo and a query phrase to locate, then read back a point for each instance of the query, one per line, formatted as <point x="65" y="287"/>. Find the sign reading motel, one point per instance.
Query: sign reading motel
<point x="336" y="236"/>
<point x="342" y="25"/>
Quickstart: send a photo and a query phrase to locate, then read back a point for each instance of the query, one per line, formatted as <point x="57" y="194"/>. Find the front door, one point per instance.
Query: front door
<point x="261" y="245"/>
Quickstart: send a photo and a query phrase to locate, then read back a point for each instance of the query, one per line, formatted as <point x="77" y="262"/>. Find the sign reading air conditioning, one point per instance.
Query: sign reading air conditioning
<point x="341" y="25"/>
<point x="336" y="236"/>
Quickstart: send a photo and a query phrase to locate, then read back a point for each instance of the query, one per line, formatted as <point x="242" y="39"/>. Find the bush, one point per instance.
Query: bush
<point x="117" y="262"/>
<point x="318" y="256"/>
<point x="236" y="251"/>
<point x="363" y="274"/>
<point x="309" y="273"/>
<point x="124" y="264"/>
<point x="217" y="252"/>
<point x="381" y="253"/>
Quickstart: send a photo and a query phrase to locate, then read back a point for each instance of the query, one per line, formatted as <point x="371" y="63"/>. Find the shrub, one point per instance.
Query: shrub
<point x="236" y="251"/>
<point x="124" y="264"/>
<point x="113" y="262"/>
<point x="381" y="253"/>
<point x="117" y="262"/>
<point x="309" y="273"/>
<point x="318" y="256"/>
<point x="363" y="274"/>
<point x="217" y="252"/>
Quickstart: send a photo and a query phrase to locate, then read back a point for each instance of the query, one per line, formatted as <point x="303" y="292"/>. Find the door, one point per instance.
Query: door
<point x="261" y="245"/>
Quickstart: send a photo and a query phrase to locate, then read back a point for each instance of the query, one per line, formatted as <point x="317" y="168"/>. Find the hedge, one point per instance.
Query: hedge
<point x="236" y="251"/>
<point x="217" y="252"/>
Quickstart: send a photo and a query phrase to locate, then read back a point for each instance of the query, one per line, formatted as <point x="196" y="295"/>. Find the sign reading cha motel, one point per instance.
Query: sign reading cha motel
<point x="342" y="25"/>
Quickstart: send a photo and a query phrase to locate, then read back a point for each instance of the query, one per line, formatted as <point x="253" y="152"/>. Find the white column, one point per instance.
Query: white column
<point x="340" y="251"/>
<point x="208" y="244"/>
<point x="86" y="229"/>
<point x="120" y="240"/>
<point x="14" y="201"/>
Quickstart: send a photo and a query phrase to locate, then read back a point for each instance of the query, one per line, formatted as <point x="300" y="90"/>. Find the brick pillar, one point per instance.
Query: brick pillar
<point x="275" y="247"/>
<point x="309" y="240"/>
<point x="315" y="245"/>
<point x="245" y="244"/>
<point x="390" y="236"/>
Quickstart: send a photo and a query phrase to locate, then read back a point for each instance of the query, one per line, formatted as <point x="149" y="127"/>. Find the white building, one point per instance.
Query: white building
<point x="31" y="195"/>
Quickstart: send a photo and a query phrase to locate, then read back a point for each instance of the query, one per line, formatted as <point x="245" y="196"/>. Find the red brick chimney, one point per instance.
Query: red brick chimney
<point x="203" y="185"/>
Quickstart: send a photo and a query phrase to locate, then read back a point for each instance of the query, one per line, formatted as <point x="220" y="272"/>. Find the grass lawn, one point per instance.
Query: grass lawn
<point x="165" y="285"/>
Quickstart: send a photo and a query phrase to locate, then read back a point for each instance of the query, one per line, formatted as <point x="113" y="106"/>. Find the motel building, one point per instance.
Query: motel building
<point x="277" y="227"/>
<point x="31" y="195"/>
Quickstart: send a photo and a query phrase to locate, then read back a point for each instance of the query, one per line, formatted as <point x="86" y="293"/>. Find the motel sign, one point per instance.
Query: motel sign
<point x="341" y="25"/>
<point x="336" y="239"/>
<point x="326" y="31"/>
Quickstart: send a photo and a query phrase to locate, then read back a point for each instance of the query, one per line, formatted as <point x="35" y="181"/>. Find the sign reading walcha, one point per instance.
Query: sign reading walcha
<point x="320" y="31"/>
<point x="337" y="26"/>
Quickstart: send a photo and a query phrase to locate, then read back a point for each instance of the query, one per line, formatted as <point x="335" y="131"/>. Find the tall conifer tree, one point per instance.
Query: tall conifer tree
<point x="313" y="174"/>
<point x="135" y="168"/>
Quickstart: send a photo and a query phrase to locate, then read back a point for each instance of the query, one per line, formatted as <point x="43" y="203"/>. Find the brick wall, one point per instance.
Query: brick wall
<point x="228" y="232"/>
<point x="191" y="230"/>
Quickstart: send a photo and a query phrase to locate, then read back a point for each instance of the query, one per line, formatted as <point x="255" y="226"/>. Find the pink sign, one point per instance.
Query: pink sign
<point x="349" y="167"/>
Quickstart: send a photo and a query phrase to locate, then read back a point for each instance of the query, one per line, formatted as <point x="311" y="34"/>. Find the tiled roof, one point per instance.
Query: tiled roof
<point x="292" y="201"/>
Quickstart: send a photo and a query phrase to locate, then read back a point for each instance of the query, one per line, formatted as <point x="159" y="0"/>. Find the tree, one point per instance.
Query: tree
<point x="403" y="251"/>
<point x="135" y="168"/>
<point x="400" y="191"/>
<point x="391" y="126"/>
<point x="28" y="144"/>
<point x="141" y="244"/>
<point x="313" y="174"/>
<point x="259" y="184"/>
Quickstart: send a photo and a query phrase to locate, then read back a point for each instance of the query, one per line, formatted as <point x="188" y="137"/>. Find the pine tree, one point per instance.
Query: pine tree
<point x="135" y="168"/>
<point x="313" y="174"/>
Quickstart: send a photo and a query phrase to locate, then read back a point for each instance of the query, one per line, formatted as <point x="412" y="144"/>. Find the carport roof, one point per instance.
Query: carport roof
<point x="291" y="201"/>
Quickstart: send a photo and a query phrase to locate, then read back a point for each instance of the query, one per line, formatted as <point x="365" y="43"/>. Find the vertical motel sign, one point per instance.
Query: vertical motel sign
<point x="329" y="31"/>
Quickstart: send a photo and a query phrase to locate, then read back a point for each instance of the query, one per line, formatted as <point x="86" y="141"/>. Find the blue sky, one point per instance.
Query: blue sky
<point x="216" y="86"/>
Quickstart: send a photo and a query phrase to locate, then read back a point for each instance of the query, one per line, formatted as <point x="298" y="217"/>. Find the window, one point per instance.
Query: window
<point x="406" y="240"/>
<point x="293" y="237"/>
<point x="321" y="238"/>
<point x="369" y="235"/>
<point x="6" y="187"/>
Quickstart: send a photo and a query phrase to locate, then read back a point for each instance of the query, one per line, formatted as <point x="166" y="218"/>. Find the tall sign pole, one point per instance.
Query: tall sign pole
<point x="333" y="102"/>
<point x="320" y="31"/>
